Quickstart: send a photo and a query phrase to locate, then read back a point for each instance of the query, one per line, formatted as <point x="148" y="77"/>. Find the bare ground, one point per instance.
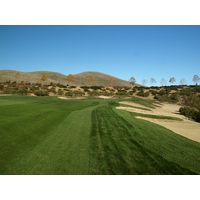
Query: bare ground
<point x="186" y="128"/>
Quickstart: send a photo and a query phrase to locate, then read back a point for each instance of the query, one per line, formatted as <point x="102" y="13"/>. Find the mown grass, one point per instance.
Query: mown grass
<point x="43" y="135"/>
<point x="145" y="102"/>
<point x="121" y="144"/>
<point x="46" y="135"/>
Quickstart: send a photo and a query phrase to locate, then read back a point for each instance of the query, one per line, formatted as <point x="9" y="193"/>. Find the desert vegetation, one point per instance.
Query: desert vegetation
<point x="186" y="96"/>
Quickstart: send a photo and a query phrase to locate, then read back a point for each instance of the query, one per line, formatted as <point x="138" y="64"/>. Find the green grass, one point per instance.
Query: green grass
<point x="47" y="135"/>
<point x="145" y="102"/>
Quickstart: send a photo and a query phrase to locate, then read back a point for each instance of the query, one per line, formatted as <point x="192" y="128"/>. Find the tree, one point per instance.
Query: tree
<point x="17" y="75"/>
<point x="144" y="82"/>
<point x="70" y="77"/>
<point x="163" y="82"/>
<point x="152" y="81"/>
<point x="91" y="79"/>
<point x="182" y="81"/>
<point x="44" y="77"/>
<point x="196" y="79"/>
<point x="132" y="80"/>
<point x="172" y="80"/>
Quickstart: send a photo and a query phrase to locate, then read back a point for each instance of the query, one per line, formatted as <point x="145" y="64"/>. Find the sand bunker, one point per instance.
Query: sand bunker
<point x="186" y="128"/>
<point x="70" y="98"/>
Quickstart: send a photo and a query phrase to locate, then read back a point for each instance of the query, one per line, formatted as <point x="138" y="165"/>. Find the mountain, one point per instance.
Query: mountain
<point x="80" y="79"/>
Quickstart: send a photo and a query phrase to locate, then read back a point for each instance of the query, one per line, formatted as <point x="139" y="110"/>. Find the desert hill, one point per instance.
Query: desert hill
<point x="84" y="78"/>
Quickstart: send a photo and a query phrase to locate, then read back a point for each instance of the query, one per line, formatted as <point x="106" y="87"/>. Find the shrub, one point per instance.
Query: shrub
<point x="155" y="87"/>
<point x="72" y="86"/>
<point x="140" y="93"/>
<point x="190" y="113"/>
<point x="175" y="97"/>
<point x="146" y="94"/>
<point x="162" y="98"/>
<point x="22" y="92"/>
<point x="168" y="90"/>
<point x="41" y="93"/>
<point x="96" y="87"/>
<point x="162" y="92"/>
<point x="75" y="93"/>
<point x="53" y="90"/>
<point x="78" y="93"/>
<point x="134" y="90"/>
<point x="94" y="93"/>
<point x="122" y="92"/>
<point x="153" y="92"/>
<point x="60" y="92"/>
<point x="1" y="87"/>
<point x="143" y="94"/>
<point x="69" y="93"/>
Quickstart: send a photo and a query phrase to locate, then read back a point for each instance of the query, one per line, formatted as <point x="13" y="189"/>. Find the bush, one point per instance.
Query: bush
<point x="134" y="90"/>
<point x="168" y="90"/>
<point x="96" y="87"/>
<point x="175" y="97"/>
<point x="153" y="92"/>
<point x="78" y="93"/>
<point x="162" y="98"/>
<point x="162" y="92"/>
<point x="69" y="93"/>
<point x="155" y="87"/>
<point x="72" y="86"/>
<point x="186" y="91"/>
<point x="190" y="113"/>
<point x="60" y="92"/>
<point x="143" y="94"/>
<point x="75" y="93"/>
<point x="41" y="93"/>
<point x="22" y="92"/>
<point x="1" y="87"/>
<point x="122" y="92"/>
<point x="94" y="93"/>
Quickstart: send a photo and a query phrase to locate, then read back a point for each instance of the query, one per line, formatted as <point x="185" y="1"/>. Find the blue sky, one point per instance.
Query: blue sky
<point x="144" y="52"/>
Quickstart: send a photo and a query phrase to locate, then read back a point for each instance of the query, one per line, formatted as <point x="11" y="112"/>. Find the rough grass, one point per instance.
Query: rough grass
<point x="46" y="135"/>
<point x="145" y="102"/>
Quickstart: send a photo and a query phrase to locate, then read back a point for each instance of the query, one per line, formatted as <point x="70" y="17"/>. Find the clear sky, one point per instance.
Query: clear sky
<point x="144" y="52"/>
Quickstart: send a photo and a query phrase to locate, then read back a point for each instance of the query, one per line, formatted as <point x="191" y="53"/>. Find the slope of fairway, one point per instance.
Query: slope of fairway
<point x="121" y="144"/>
<point x="47" y="135"/>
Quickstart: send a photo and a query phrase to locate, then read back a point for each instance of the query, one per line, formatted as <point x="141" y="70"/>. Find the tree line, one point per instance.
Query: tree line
<point x="172" y="80"/>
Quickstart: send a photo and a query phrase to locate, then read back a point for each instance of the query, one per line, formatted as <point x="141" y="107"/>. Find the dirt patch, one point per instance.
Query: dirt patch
<point x="186" y="128"/>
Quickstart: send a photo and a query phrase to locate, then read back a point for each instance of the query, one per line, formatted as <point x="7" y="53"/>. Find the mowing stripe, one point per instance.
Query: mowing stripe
<point x="64" y="151"/>
<point x="115" y="149"/>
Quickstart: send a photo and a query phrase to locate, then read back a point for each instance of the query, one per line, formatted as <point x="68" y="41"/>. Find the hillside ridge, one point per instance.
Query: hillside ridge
<point x="79" y="79"/>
